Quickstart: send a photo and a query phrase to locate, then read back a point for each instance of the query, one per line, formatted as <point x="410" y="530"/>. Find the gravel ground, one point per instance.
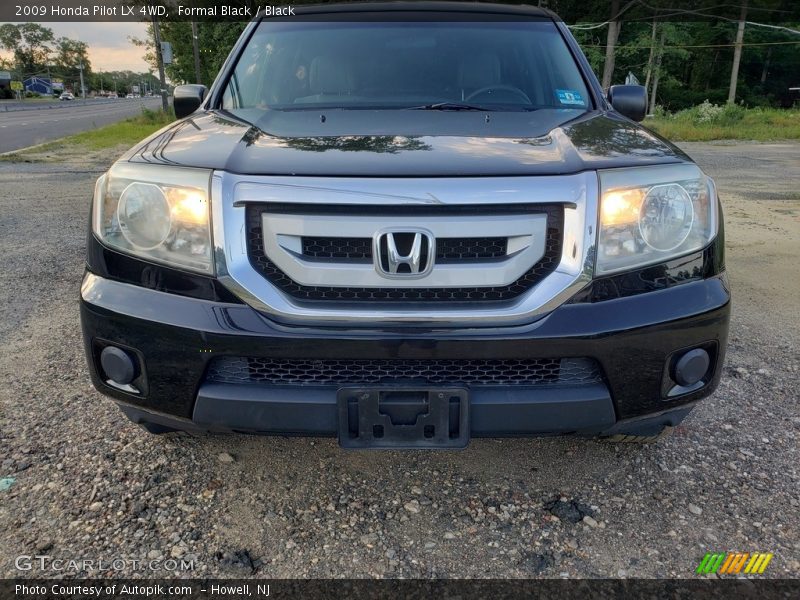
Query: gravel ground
<point x="89" y="485"/>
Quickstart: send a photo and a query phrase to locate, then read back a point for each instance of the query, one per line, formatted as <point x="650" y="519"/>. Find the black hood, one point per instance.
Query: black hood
<point x="406" y="143"/>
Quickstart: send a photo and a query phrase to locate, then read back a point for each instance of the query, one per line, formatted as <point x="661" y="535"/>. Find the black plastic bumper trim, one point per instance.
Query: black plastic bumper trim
<point x="494" y="411"/>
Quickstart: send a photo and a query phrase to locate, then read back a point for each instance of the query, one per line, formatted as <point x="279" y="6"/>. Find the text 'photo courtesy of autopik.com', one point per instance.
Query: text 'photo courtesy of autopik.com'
<point x="399" y="299"/>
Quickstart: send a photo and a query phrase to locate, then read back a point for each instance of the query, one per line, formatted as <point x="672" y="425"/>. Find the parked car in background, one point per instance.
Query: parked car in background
<point x="407" y="232"/>
<point x="66" y="96"/>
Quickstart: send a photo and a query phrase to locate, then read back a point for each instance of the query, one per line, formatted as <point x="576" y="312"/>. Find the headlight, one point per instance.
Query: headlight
<point x="651" y="214"/>
<point x="157" y="213"/>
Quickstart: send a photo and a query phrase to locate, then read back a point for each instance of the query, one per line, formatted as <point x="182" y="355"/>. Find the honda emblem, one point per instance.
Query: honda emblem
<point x="404" y="253"/>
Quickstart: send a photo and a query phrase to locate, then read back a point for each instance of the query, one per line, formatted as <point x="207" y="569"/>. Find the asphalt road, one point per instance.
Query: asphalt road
<point x="83" y="483"/>
<point x="30" y="126"/>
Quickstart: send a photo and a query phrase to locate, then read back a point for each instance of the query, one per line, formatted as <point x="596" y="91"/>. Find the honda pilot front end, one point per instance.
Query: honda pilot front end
<point x="406" y="225"/>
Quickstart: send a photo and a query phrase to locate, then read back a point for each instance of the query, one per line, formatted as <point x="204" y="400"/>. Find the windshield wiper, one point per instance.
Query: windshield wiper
<point x="449" y="106"/>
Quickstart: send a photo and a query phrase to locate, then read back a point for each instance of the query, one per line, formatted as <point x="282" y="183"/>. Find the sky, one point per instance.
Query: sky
<point x="109" y="48"/>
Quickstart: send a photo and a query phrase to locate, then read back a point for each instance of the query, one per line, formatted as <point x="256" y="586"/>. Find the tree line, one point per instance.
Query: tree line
<point x="742" y="55"/>
<point x="33" y="50"/>
<point x="747" y="52"/>
<point x="682" y="62"/>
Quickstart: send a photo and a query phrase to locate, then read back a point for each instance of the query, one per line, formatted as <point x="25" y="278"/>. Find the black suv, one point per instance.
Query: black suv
<point x="406" y="225"/>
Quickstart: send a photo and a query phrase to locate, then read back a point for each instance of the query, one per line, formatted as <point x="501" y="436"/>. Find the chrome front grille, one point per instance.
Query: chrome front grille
<point x="546" y="222"/>
<point x="451" y="250"/>
<point x="324" y="372"/>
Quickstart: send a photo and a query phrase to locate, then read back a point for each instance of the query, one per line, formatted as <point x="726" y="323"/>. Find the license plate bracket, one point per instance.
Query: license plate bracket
<point x="403" y="417"/>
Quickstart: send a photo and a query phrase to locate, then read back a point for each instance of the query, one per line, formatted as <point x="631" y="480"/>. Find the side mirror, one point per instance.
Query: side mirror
<point x="187" y="99"/>
<point x="629" y="100"/>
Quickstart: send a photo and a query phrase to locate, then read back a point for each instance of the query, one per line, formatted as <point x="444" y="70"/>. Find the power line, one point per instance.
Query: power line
<point x="614" y="18"/>
<point x="702" y="12"/>
<point x="654" y="9"/>
<point x="693" y="45"/>
<point x="778" y="27"/>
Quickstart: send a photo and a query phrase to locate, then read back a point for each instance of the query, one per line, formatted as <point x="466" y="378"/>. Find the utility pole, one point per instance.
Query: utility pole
<point x="614" y="26"/>
<point x="737" y="55"/>
<point x="196" y="50"/>
<point x="657" y="69"/>
<point x="611" y="41"/>
<point x="650" y="58"/>
<point x="83" y="87"/>
<point x="766" y="65"/>
<point x="161" y="76"/>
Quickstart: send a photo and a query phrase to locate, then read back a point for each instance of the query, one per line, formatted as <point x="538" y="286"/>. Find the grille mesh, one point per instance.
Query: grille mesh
<point x="447" y="249"/>
<point x="281" y="371"/>
<point x="467" y="248"/>
<point x="545" y="266"/>
<point x="338" y="247"/>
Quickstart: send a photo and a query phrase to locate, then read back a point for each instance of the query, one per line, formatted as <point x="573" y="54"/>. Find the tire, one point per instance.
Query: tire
<point x="629" y="438"/>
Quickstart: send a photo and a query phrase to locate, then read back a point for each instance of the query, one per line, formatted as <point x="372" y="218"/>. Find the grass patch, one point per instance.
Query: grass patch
<point x="126" y="132"/>
<point x="728" y="122"/>
<point x="123" y="133"/>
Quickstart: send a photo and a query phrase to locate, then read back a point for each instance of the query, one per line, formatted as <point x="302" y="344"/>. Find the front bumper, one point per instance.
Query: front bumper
<point x="632" y="338"/>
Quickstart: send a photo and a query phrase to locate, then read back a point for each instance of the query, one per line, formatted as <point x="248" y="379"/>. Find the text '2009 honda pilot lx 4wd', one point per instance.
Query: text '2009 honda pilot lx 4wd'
<point x="406" y="225"/>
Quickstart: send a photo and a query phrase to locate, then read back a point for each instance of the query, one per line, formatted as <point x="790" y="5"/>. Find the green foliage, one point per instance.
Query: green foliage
<point x="69" y="54"/>
<point x="212" y="39"/>
<point x="29" y="43"/>
<point x="121" y="81"/>
<point x="709" y="121"/>
<point x="35" y="51"/>
<point x="697" y="60"/>
<point x="725" y="114"/>
<point x="659" y="112"/>
<point x="214" y="43"/>
<point x="592" y="42"/>
<point x="154" y="117"/>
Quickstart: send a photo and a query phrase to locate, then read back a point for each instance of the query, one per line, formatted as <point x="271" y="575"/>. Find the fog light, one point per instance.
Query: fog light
<point x="118" y="366"/>
<point x="691" y="367"/>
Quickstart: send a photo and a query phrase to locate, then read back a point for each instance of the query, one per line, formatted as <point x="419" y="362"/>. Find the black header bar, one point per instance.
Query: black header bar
<point x="571" y="11"/>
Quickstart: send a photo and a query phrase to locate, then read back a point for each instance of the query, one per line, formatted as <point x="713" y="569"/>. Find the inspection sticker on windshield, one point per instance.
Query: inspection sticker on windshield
<point x="570" y="97"/>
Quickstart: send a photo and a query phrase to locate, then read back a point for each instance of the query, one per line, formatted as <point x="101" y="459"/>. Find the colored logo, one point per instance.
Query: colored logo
<point x="734" y="563"/>
<point x="570" y="97"/>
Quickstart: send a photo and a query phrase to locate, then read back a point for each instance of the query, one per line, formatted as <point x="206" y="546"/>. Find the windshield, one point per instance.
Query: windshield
<point x="508" y="66"/>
